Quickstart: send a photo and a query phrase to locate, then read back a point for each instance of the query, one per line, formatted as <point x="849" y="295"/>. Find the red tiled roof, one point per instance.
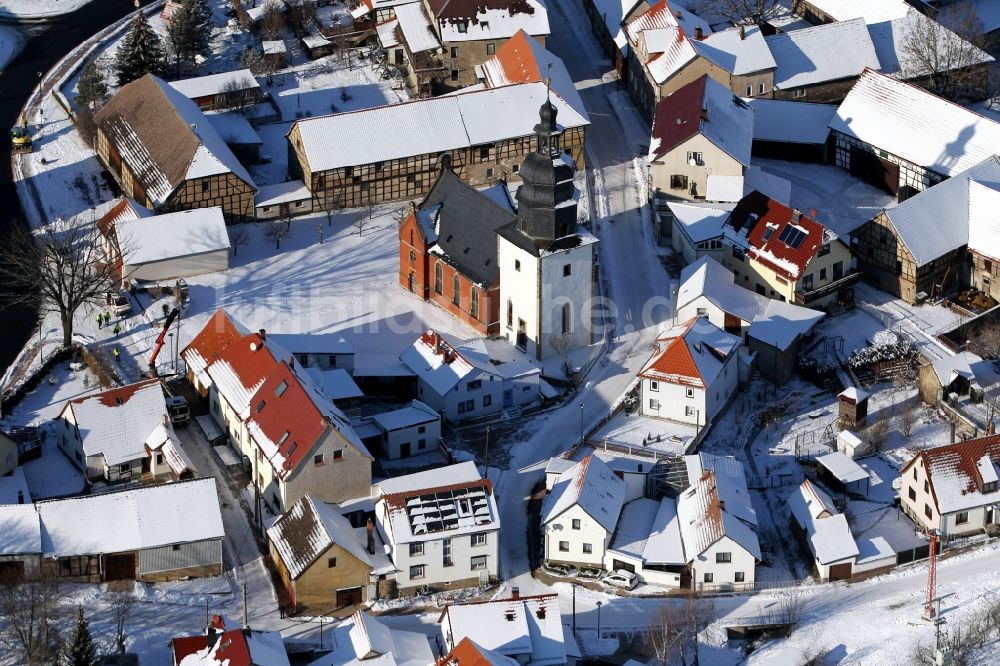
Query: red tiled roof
<point x="293" y="412"/>
<point x="676" y="360"/>
<point x="467" y="653"/>
<point x="657" y="16"/>
<point x="250" y="358"/>
<point x="787" y="261"/>
<point x="214" y="338"/>
<point x="678" y="116"/>
<point x="517" y="59"/>
<point x="233" y="649"/>
<point x="960" y="459"/>
<point x="116" y="396"/>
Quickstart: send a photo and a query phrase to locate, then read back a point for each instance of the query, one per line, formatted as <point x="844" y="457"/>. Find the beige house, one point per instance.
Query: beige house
<point x="700" y="131"/>
<point x="167" y="156"/>
<point x="953" y="488"/>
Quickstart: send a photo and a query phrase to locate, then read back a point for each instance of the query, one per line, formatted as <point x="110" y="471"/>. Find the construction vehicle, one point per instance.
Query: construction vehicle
<point x="20" y="137"/>
<point x="178" y="409"/>
<point x="159" y="340"/>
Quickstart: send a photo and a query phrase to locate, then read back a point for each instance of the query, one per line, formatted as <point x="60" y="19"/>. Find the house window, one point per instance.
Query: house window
<point x="587" y="548"/>
<point x="749" y="91"/>
<point x="807" y="282"/>
<point x="417" y="571"/>
<point x="564" y="546"/>
<point x="159" y="458"/>
<point x="331" y="360"/>
<point x="678" y="181"/>
<point x="454" y="52"/>
<point x="479" y="539"/>
<point x="912" y="494"/>
<point x="961" y="517"/>
<point x="487" y="400"/>
<point x="654" y="385"/>
<point x="654" y="404"/>
<point x="702" y="312"/>
<point x="304" y="360"/>
<point x="319" y="460"/>
<point x="456" y="290"/>
<point x="695" y="158"/>
<point x="421" y="444"/>
<point x="721" y="558"/>
<point x="260" y="406"/>
<point x="822" y="274"/>
<point x="491" y="49"/>
<point x="576" y="523"/>
<point x="567" y="319"/>
<point x="463" y="26"/>
<point x="738" y="577"/>
<point x="517" y="265"/>
<point x="689" y="410"/>
<point x="987" y="265"/>
<point x="689" y="393"/>
<point x="446" y="553"/>
<point x="489" y="172"/>
<point x="926" y="486"/>
<point x="567" y="270"/>
<point x="800" y="92"/>
<point x="175" y="547"/>
<point x="205" y="186"/>
<point x="737" y="253"/>
<point x="474" y="308"/>
<point x="709" y="577"/>
<point x="338" y="455"/>
<point x="438" y="278"/>
<point x="474" y="385"/>
<point x="484" y="152"/>
<point x="283" y="438"/>
<point x="914" y="473"/>
<point x="515" y="167"/>
<point x="927" y="511"/>
<point x="411" y="178"/>
<point x="282" y="387"/>
<point x="454" y="75"/>
<point x="761" y="87"/>
<point x="478" y="562"/>
<point x="331" y="562"/>
<point x="416" y="549"/>
<point x="510" y="313"/>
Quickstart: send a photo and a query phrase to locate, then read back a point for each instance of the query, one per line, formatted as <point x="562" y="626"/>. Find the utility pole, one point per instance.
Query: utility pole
<point x="938" y="621"/>
<point x="929" y="607"/>
<point x="574" y="610"/>
<point x="487" y="475"/>
<point x="246" y="610"/>
<point x="599" y="604"/>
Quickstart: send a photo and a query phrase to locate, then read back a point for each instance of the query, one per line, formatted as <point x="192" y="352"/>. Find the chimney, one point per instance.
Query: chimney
<point x="371" y="537"/>
<point x="262" y="333"/>
<point x="515" y="592"/>
<point x="796" y="216"/>
<point x="166" y="419"/>
<point x="698" y="34"/>
<point x="20" y="497"/>
<point x="291" y="361"/>
<point x="743" y="33"/>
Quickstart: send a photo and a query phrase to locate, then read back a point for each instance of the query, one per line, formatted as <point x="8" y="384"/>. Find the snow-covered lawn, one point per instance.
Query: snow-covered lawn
<point x="27" y="10"/>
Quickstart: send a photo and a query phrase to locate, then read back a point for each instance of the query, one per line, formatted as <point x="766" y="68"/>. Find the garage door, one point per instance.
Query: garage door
<point x="840" y="571"/>
<point x="349" y="597"/>
<point x="872" y="169"/>
<point x="119" y="567"/>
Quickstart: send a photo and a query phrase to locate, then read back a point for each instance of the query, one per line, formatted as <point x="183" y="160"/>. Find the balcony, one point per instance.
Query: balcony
<point x="807" y="297"/>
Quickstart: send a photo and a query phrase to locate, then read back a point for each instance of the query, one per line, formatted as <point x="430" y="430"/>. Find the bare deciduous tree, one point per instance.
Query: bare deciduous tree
<point x="946" y="56"/>
<point x="738" y="12"/>
<point x="272" y="20"/>
<point x="26" y="608"/>
<point x="278" y="228"/>
<point x="235" y="96"/>
<point x="239" y="236"/>
<point x="876" y="433"/>
<point x="64" y="266"/>
<point x="121" y="603"/>
<point x="367" y="217"/>
<point x="674" y="634"/>
<point x="563" y="345"/>
<point x="907" y="417"/>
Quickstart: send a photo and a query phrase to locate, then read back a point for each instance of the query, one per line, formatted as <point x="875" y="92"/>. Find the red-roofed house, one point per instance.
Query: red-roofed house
<point x="953" y="488"/>
<point x="781" y="253"/>
<point x="302" y="444"/>
<point x="236" y="647"/>
<point x="692" y="373"/>
<point x="701" y="130"/>
<point x="467" y="653"/>
<point x="207" y="347"/>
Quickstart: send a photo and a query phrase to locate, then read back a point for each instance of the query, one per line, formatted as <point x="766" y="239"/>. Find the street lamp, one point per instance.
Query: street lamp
<point x="599" y="604"/>
<point x="581" y="424"/>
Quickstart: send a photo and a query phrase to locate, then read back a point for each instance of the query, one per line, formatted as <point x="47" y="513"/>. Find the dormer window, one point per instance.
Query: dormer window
<point x="283" y="438"/>
<point x="282" y="387"/>
<point x="990" y="487"/>
<point x="463" y="26"/>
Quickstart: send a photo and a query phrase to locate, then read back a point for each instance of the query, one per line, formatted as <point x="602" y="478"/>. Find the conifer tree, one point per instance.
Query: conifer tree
<point x="91" y="90"/>
<point x="188" y="31"/>
<point x="80" y="652"/>
<point x="139" y="53"/>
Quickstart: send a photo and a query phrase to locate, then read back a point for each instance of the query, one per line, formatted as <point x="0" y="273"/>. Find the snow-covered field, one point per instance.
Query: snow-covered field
<point x="29" y="10"/>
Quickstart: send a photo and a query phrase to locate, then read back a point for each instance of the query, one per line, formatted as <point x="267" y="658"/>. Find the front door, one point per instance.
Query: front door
<point x="349" y="597"/>
<point x="508" y="398"/>
<point x="988" y="520"/>
<point x="404" y="450"/>
<point x="522" y="334"/>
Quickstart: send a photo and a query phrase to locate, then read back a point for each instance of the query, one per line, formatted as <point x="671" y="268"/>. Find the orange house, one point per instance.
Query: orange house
<point x="448" y="249"/>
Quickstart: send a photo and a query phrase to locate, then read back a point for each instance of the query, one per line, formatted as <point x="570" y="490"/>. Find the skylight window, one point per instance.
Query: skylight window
<point x="282" y="387"/>
<point x="283" y="439"/>
<point x="769" y="231"/>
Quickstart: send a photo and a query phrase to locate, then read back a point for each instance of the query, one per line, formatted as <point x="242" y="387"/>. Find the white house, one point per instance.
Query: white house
<point x="647" y="542"/>
<point x="697" y="228"/>
<point x="409" y="431"/>
<point x="462" y="382"/>
<point x="580" y="513"/>
<point x="692" y="373"/>
<point x="528" y="630"/>
<point x="953" y="488"/>
<point x="547" y="275"/>
<point x="632" y="470"/>
<point x="325" y="351"/>
<point x="441" y="528"/>
<point x="364" y="637"/>
<point x="122" y="434"/>
<point x="770" y="328"/>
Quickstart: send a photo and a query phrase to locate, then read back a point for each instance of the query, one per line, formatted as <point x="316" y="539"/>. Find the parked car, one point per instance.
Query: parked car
<point x="621" y="578"/>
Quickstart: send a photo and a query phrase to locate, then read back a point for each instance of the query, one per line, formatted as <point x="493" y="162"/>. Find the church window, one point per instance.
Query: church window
<point x="437" y="278"/>
<point x="567" y="270"/>
<point x="567" y="319"/>
<point x="517" y="265"/>
<point x="456" y="290"/>
<point x="510" y="313"/>
<point x="474" y="309"/>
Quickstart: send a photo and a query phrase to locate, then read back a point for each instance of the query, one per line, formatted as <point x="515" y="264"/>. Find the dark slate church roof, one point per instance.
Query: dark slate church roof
<point x="467" y="221"/>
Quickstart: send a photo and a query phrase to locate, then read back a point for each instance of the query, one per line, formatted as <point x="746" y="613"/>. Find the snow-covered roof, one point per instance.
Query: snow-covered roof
<point x="527" y="626"/>
<point x="416" y="414"/>
<point x="133" y="519"/>
<point x="236" y="647"/>
<point x="692" y="354"/>
<point x="387" y="33"/>
<point x="915" y="125"/>
<point x="823" y="53"/>
<point x="164" y="440"/>
<point x="308" y="529"/>
<point x="891" y="37"/>
<point x="241" y="368"/>
<point x="185" y="233"/>
<point x="214" y="84"/>
<point x="336" y="384"/>
<point x="521" y="59"/>
<point x="593" y="486"/>
<point x="273" y="47"/>
<point x="871" y="12"/>
<point x="966" y="200"/>
<point x="794" y="122"/>
<point x="704" y="107"/>
<point x="739" y="51"/>
<point x="613" y="12"/>
<point x="234" y="128"/>
<point x="14" y="486"/>
<point x="416" y="27"/>
<point x="950" y="368"/>
<point x="664" y="544"/>
<point x="279" y="193"/>
<point x="488" y="19"/>
<point x="437" y="362"/>
<point x="20" y="530"/>
<point x="701" y="221"/>
<point x="705" y="519"/>
<point x="774" y="322"/>
<point x="315" y="41"/>
<point x="827" y="531"/>
<point x="727" y="190"/>
<point x="842" y="468"/>
<point x="853" y="393"/>
<point x="634" y="527"/>
<point x="116" y="423"/>
<point x="431" y="125"/>
<point x="445" y="510"/>
<point x="216" y="335"/>
<point x="873" y="549"/>
<point x="724" y="189"/>
<point x="954" y="473"/>
<point x="463" y="472"/>
<point x="364" y="640"/>
<point x="312" y="343"/>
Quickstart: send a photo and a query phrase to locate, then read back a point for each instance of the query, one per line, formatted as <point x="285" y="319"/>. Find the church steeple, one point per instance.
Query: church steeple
<point x="547" y="197"/>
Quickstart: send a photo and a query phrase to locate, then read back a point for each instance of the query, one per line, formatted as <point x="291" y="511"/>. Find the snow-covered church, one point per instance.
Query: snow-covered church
<point x="526" y="271"/>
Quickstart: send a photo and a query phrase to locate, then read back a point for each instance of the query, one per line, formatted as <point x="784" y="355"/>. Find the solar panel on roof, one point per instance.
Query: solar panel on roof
<point x="792" y="236"/>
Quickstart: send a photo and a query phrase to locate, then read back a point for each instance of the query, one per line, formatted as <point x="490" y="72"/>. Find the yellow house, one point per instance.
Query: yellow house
<point x="699" y="131"/>
<point x="780" y="253"/>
